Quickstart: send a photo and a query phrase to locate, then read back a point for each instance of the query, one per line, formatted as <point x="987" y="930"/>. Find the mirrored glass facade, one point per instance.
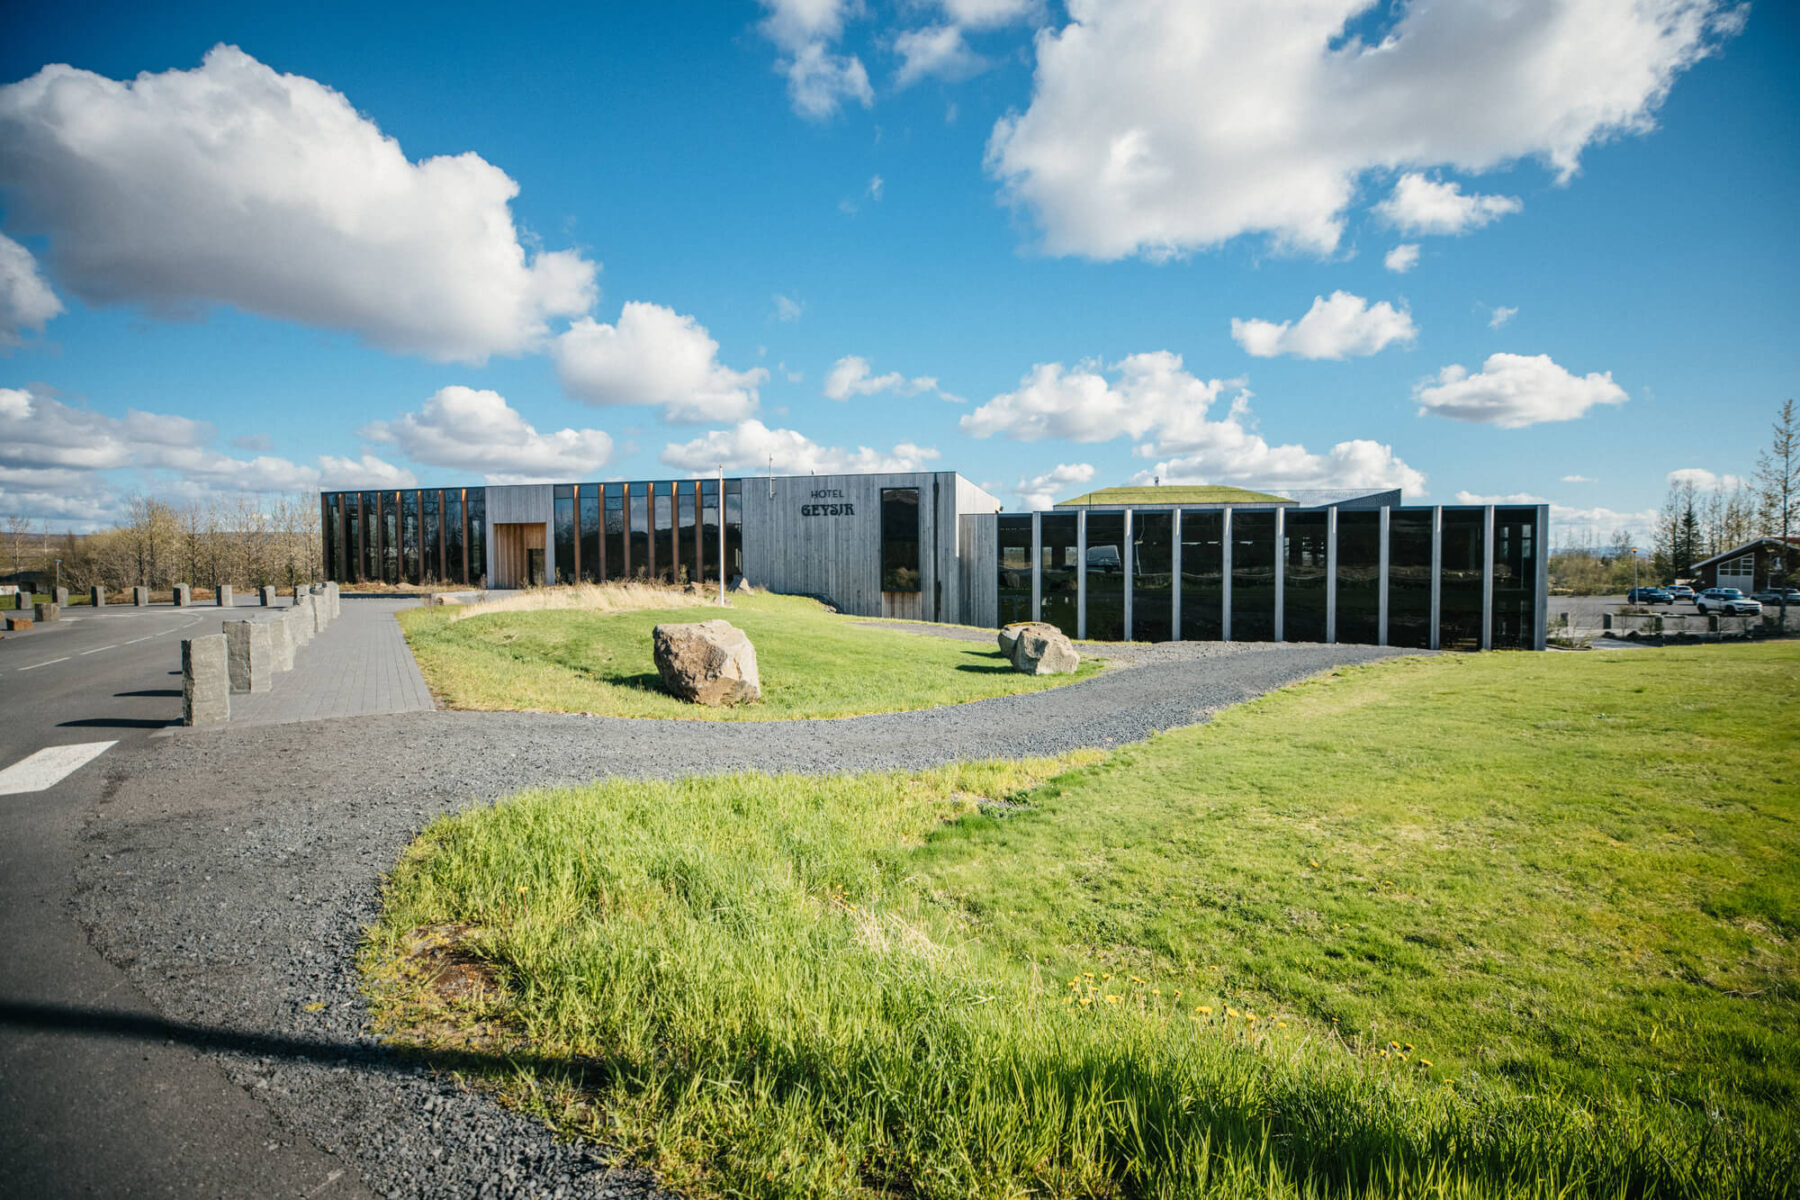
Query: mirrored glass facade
<point x="1014" y="582"/>
<point x="1253" y="576"/>
<point x="1059" y="570"/>
<point x="1305" y="559"/>
<point x="1152" y="576"/>
<point x="1202" y="574"/>
<point x="1106" y="577"/>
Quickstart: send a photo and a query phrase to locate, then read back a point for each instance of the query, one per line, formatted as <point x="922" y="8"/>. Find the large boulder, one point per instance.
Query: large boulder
<point x="1009" y="634"/>
<point x="707" y="662"/>
<point x="1041" y="651"/>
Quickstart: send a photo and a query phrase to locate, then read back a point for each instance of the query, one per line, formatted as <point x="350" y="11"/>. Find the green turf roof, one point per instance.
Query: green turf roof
<point x="1174" y="495"/>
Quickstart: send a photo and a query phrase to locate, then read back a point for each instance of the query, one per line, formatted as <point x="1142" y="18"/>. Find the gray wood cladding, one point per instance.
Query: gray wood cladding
<point x="518" y="504"/>
<point x="820" y="535"/>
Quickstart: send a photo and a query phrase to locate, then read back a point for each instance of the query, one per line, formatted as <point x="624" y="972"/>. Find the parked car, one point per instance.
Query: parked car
<point x="1789" y="596"/>
<point x="1729" y="601"/>
<point x="1683" y="593"/>
<point x="1649" y="595"/>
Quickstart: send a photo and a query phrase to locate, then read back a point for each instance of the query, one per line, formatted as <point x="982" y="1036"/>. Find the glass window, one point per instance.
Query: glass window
<point x="588" y="515"/>
<point x="432" y="537"/>
<point x="1459" y="592"/>
<point x="455" y="569"/>
<point x="900" y="540"/>
<point x="686" y="531"/>
<point x="409" y="534"/>
<point x="390" y="537"/>
<point x="1106" y="577"/>
<point x="333" y="536"/>
<point x="1015" y="567"/>
<point x="662" y="548"/>
<point x="1058" y="578"/>
<point x="615" y="531"/>
<point x="709" y="529"/>
<point x="475" y="499"/>
<point x="371" y="506"/>
<point x="1303" y="577"/>
<point x="640" y="531"/>
<point x="563" y="522"/>
<point x="734" y="528"/>
<point x="1409" y="577"/>
<point x="1515" y="578"/>
<point x="1252" y="576"/>
<point x="1359" y="577"/>
<point x="353" y="560"/>
<point x="1152" y="576"/>
<point x="1202" y="574"/>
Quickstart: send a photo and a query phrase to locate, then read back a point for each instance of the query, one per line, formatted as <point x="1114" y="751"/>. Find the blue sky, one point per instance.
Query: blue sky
<point x="1034" y="224"/>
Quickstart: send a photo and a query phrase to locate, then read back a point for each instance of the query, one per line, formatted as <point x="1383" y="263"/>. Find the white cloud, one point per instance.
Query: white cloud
<point x="26" y="301"/>
<point x="1341" y="327"/>
<point x="752" y="446"/>
<point x="851" y="376"/>
<point x="1571" y="524"/>
<point x="989" y="14"/>
<point x="787" y="309"/>
<point x="1159" y="127"/>
<point x="233" y="184"/>
<point x="1044" y="491"/>
<point x="1515" y="390"/>
<point x="876" y="183"/>
<point x="1153" y="397"/>
<point x="1419" y="205"/>
<point x="479" y="431"/>
<point x="654" y="355"/>
<point x="51" y="448"/>
<point x="818" y="80"/>
<point x="1500" y="315"/>
<point x="1402" y="258"/>
<point x="935" y="50"/>
<point x="1577" y="479"/>
<point x="1706" y="480"/>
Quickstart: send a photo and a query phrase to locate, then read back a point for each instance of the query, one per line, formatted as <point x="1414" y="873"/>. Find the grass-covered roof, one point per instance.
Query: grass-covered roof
<point x="1174" y="495"/>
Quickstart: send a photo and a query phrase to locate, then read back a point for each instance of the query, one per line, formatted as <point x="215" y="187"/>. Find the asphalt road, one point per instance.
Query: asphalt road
<point x="122" y="1109"/>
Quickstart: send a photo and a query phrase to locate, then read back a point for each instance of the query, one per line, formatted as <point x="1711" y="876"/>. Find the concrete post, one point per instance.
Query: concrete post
<point x="224" y="596"/>
<point x="60" y="597"/>
<point x="321" y="609"/>
<point x="247" y="656"/>
<point x="205" y="681"/>
<point x="281" y="643"/>
<point x="303" y="620"/>
<point x="48" y="612"/>
<point x="184" y="595"/>
<point x="266" y="594"/>
<point x="97" y="596"/>
<point x="301" y="589"/>
<point x="337" y="599"/>
<point x="140" y="596"/>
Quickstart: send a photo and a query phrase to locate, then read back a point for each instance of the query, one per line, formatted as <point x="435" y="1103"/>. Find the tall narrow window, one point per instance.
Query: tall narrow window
<point x="1459" y="584"/>
<point x="663" y="544"/>
<point x="1252" y="576"/>
<point x="409" y="535"/>
<point x="734" y="528"/>
<point x="685" y="536"/>
<point x="615" y="531"/>
<point x="390" y="537"/>
<point x="1359" y="577"/>
<point x="352" y="537"/>
<point x="709" y="529"/>
<point x="563" y="518"/>
<point x="371" y="544"/>
<point x="640" y="531"/>
<point x="1059" y="572"/>
<point x="900" y="540"/>
<point x="1409" y="577"/>
<point x="475" y="500"/>
<point x="588" y="515"/>
<point x="1515" y="578"/>
<point x="455" y="569"/>
<point x="333" y="536"/>
<point x="1202" y="574"/>
<point x="1303" y="586"/>
<point x="432" y="540"/>
<point x="1106" y="576"/>
<point x="1152" y="576"/>
<point x="1015" y="567"/>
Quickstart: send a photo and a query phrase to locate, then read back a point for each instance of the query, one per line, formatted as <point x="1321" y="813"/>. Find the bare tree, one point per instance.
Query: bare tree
<point x="1778" y="475"/>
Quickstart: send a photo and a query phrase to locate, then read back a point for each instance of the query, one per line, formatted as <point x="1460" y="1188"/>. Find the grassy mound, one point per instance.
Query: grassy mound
<point x="813" y="663"/>
<point x="1493" y="925"/>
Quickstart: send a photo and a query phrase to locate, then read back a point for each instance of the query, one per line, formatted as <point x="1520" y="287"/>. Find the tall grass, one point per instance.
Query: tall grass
<point x="593" y="598"/>
<point x="781" y="986"/>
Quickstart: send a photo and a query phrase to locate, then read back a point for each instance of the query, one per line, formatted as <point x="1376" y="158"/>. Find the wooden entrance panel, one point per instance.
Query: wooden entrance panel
<point x="511" y="542"/>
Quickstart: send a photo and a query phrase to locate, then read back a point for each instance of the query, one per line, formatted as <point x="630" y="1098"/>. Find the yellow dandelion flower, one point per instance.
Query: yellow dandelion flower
<point x="1281" y="1024"/>
<point x="1249" y="1016"/>
<point x="1156" y="991"/>
<point x="1409" y="1046"/>
<point x="1424" y="1062"/>
<point x="1087" y="999"/>
<point x="1315" y="862"/>
<point x="1384" y="1054"/>
<point x="1205" y="1008"/>
<point x="1113" y="999"/>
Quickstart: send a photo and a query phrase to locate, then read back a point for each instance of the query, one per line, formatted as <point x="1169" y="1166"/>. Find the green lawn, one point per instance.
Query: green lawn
<point x="813" y="663"/>
<point x="1507" y="924"/>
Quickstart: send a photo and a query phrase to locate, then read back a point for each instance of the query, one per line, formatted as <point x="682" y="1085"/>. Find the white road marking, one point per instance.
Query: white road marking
<point x="49" y="767"/>
<point x="145" y="638"/>
<point x="45" y="663"/>
<point x="98" y="649"/>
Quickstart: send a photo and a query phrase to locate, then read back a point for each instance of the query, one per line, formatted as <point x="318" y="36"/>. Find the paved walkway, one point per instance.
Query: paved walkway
<point x="359" y="666"/>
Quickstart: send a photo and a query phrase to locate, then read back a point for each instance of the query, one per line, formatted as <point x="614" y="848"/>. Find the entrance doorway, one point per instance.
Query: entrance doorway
<point x="534" y="568"/>
<point x="518" y="554"/>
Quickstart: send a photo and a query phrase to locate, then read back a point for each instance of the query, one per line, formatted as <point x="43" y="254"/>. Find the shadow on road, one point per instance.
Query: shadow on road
<point x="116" y="723"/>
<point x="173" y="693"/>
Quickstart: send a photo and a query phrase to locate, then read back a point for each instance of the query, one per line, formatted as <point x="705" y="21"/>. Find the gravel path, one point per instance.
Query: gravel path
<point x="232" y="870"/>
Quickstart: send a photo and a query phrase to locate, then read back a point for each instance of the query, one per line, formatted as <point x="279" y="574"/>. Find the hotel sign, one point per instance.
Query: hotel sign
<point x="835" y="505"/>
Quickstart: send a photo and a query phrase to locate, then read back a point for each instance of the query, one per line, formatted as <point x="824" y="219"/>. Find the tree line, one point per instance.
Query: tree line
<point x="247" y="542"/>
<point x="1695" y="522"/>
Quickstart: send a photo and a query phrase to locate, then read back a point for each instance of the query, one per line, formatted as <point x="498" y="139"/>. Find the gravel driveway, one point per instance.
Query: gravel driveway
<point x="230" y="871"/>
